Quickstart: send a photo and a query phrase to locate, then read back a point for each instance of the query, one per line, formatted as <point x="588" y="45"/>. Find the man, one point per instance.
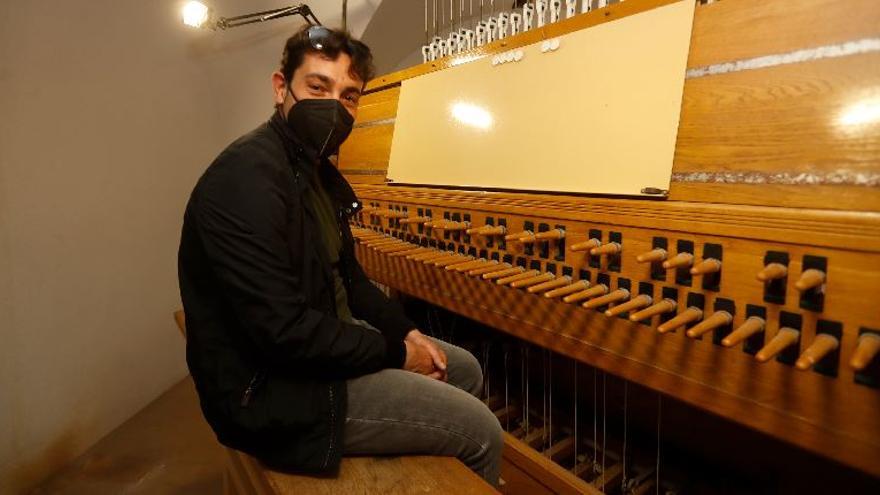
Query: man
<point x="296" y="356"/>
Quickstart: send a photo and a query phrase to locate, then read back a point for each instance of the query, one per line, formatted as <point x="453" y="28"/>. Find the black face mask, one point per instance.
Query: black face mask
<point x="321" y="124"/>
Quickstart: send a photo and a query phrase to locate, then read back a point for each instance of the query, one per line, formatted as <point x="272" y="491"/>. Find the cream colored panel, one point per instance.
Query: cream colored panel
<point x="597" y="115"/>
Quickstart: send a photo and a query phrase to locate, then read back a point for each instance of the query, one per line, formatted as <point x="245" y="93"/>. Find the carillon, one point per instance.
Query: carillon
<point x="655" y="223"/>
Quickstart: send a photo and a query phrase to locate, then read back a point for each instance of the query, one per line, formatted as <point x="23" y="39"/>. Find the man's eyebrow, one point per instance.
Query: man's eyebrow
<point x="329" y="82"/>
<point x="324" y="79"/>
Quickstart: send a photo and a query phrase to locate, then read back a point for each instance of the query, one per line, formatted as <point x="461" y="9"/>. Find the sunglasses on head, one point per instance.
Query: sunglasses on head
<point x="320" y="35"/>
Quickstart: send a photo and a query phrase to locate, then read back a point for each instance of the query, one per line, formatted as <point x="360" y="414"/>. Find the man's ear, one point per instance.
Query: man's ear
<point x="279" y="87"/>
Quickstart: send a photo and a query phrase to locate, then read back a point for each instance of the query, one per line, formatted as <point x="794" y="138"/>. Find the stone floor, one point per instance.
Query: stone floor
<point x="167" y="448"/>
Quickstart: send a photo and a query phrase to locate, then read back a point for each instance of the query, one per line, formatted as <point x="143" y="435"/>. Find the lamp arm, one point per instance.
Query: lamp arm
<point x="267" y="15"/>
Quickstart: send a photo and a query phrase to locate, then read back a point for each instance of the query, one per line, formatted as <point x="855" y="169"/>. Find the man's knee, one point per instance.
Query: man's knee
<point x="486" y="427"/>
<point x="486" y="460"/>
<point x="494" y="436"/>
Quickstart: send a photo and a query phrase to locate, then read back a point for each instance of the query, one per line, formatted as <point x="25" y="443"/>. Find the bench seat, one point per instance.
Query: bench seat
<point x="403" y="475"/>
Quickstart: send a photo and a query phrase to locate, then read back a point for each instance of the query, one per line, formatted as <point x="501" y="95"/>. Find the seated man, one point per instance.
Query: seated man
<point x="297" y="358"/>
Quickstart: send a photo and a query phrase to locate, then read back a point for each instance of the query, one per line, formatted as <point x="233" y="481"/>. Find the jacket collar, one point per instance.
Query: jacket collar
<point x="300" y="159"/>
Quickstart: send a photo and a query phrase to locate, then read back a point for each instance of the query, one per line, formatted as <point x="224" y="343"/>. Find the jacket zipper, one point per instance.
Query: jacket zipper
<point x="331" y="446"/>
<point x="342" y="217"/>
<point x="332" y="429"/>
<point x="255" y="383"/>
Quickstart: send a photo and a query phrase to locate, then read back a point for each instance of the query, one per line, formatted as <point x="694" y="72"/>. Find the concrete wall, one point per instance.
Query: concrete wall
<point x="109" y="111"/>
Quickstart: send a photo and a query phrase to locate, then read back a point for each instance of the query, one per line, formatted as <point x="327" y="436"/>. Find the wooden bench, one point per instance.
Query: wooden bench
<point x="244" y="475"/>
<point x="357" y="475"/>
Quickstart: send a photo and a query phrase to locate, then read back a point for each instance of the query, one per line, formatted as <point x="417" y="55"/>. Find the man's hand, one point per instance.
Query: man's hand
<point x="417" y="359"/>
<point x="424" y="357"/>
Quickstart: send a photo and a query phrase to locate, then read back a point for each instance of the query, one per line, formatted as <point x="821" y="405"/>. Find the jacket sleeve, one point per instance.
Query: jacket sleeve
<point x="368" y="303"/>
<point x="241" y="218"/>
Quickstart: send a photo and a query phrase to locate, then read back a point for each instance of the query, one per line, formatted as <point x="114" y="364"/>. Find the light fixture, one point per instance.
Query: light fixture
<point x="195" y="14"/>
<point x="198" y="15"/>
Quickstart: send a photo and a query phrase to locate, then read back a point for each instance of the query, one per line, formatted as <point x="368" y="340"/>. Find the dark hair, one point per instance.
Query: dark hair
<point x="334" y="43"/>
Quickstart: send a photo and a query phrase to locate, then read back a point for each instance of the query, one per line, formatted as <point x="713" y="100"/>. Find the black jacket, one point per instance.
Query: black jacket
<point x="268" y="356"/>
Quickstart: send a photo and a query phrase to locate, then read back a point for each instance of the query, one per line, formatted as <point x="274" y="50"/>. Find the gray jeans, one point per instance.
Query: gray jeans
<point x="399" y="412"/>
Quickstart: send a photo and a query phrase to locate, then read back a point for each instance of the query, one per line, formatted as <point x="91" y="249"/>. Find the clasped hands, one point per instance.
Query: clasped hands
<point x="424" y="357"/>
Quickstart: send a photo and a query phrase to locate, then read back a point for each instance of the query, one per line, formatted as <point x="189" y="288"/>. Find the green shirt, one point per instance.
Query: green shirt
<point x="330" y="235"/>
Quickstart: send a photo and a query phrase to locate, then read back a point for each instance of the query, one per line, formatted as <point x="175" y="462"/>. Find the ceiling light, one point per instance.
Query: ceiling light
<point x="195" y="14"/>
<point x="198" y="15"/>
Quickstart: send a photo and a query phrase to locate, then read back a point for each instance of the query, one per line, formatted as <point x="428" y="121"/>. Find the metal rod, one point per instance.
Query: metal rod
<point x="486" y="369"/>
<point x="576" y="413"/>
<point x="268" y="15"/>
<point x="544" y="397"/>
<point x="522" y="384"/>
<point x="550" y="399"/>
<point x="257" y="14"/>
<point x="460" y="14"/>
<point x="623" y="479"/>
<point x="345" y="15"/>
<point x="527" y="381"/>
<point x="604" y="423"/>
<point x="595" y="421"/>
<point x="657" y="469"/>
<point x="452" y="330"/>
<point x="451" y="17"/>
<point x="506" y="388"/>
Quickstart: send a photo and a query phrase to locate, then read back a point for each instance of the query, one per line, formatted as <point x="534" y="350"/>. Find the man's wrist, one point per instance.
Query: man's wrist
<point x="395" y="353"/>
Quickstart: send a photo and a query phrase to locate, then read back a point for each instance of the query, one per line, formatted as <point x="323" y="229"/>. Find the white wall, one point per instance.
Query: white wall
<point x="396" y="33"/>
<point x="109" y="111"/>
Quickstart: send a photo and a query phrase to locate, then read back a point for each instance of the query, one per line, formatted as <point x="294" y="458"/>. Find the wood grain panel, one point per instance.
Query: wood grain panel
<point x="379" y="105"/>
<point x="781" y="119"/>
<point x="367" y="148"/>
<point x="356" y="178"/>
<point x="519" y="482"/>
<point x="529" y="472"/>
<point x="737" y="29"/>
<point x="802" y="196"/>
<point x="781" y="124"/>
